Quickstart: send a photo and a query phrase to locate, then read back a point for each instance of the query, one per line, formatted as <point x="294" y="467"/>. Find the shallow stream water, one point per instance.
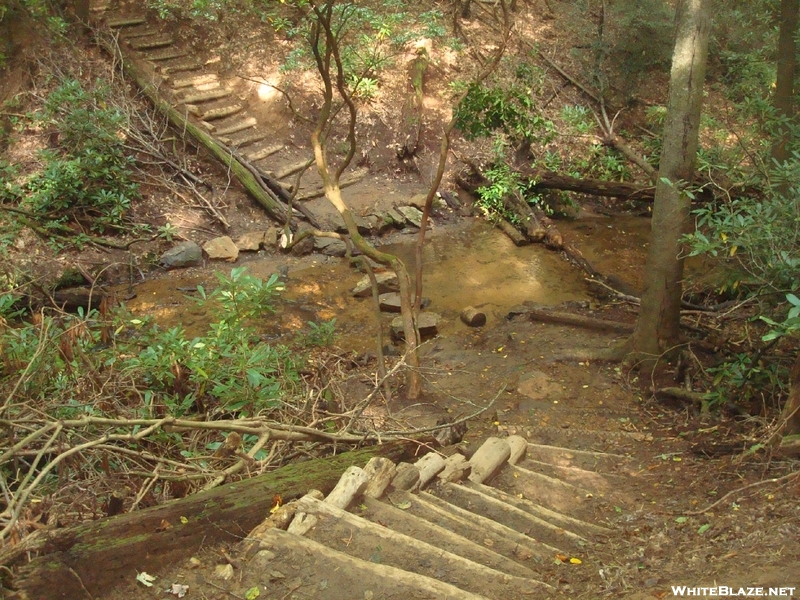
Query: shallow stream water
<point x="466" y="264"/>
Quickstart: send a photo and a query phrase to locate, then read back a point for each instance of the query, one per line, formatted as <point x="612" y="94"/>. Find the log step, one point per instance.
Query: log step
<point x="400" y="521"/>
<point x="601" y="462"/>
<point x="363" y="539"/>
<point x="161" y="42"/>
<point x="344" y="572"/>
<point x="566" y="522"/>
<point x="509" y="542"/>
<point x="487" y="505"/>
<point x="257" y="153"/>
<point x="217" y="112"/>
<point x="598" y="483"/>
<point x="233" y="127"/>
<point x="125" y="22"/>
<point x="544" y="490"/>
<point x="193" y="80"/>
<point x="167" y="54"/>
<point x="204" y="96"/>
<point x="290" y="169"/>
<point x="243" y="140"/>
<point x="130" y="34"/>
<point x="180" y="66"/>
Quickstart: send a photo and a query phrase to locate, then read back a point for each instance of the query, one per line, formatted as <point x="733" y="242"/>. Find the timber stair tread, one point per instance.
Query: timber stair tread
<point x="467" y="533"/>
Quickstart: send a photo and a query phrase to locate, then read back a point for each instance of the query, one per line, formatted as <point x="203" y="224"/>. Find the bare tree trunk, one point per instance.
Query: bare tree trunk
<point x="784" y="85"/>
<point x="659" y="319"/>
<point x="325" y="48"/>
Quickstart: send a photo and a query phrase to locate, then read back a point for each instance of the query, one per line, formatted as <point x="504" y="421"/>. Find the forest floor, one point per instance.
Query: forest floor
<point x="688" y="461"/>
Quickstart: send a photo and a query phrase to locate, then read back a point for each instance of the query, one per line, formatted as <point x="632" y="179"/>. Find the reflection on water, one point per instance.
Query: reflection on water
<point x="473" y="264"/>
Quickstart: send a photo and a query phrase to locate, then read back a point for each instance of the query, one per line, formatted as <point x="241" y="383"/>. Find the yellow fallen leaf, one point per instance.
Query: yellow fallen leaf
<point x="575" y="561"/>
<point x="184" y="520"/>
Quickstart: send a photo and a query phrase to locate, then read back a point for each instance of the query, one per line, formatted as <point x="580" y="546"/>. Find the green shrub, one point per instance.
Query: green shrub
<point x="87" y="176"/>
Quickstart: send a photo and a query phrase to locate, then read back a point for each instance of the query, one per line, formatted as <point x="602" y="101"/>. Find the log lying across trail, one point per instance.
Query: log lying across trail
<point x="89" y="559"/>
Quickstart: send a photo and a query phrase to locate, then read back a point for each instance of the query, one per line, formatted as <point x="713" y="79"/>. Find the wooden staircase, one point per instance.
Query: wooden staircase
<point x="440" y="527"/>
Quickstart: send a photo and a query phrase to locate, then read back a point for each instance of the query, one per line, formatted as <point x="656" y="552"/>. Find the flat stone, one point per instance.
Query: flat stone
<point x="252" y="241"/>
<point x="397" y="218"/>
<point x="427" y="323"/>
<point x="221" y="248"/>
<point x="330" y="246"/>
<point x="411" y="214"/>
<point x="387" y="282"/>
<point x="185" y="254"/>
<point x="390" y="302"/>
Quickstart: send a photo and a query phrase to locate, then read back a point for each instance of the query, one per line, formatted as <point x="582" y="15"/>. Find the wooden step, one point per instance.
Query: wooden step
<point x="566" y="522"/>
<point x="243" y="140"/>
<point x="601" y="462"/>
<point x="193" y="97"/>
<point x="228" y="127"/>
<point x="363" y="539"/>
<point x="535" y="527"/>
<point x="291" y="169"/>
<point x="344" y="572"/>
<point x="192" y="80"/>
<point x="602" y="483"/>
<point x="130" y="34"/>
<point x="214" y="112"/>
<point x="167" y="54"/>
<point x="125" y="22"/>
<point x="143" y="44"/>
<point x="180" y="66"/>
<point x="544" y="490"/>
<point x="258" y="153"/>
<point x="408" y="524"/>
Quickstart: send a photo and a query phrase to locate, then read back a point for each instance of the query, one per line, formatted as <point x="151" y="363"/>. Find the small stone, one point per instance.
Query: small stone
<point x="221" y="248"/>
<point x="397" y="218"/>
<point x="390" y="302"/>
<point x="427" y="323"/>
<point x="418" y="201"/>
<point x="387" y="282"/>
<point x="473" y="317"/>
<point x="195" y="563"/>
<point x="185" y="254"/>
<point x="411" y="214"/>
<point x="252" y="241"/>
<point x="262" y="558"/>
<point x="223" y="571"/>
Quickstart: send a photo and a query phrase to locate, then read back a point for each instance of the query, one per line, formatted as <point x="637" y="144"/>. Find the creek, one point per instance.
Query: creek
<point x="468" y="263"/>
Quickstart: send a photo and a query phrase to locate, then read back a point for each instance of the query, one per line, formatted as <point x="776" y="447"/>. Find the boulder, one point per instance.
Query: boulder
<point x="185" y="254"/>
<point x="427" y="323"/>
<point x="398" y="220"/>
<point x="387" y="282"/>
<point x="221" y="248"/>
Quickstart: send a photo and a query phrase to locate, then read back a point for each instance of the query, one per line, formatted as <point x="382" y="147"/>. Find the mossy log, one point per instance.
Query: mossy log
<point x="93" y="557"/>
<point x="259" y="192"/>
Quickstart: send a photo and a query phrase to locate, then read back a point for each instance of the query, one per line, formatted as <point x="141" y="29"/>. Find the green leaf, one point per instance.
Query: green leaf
<point x="703" y="528"/>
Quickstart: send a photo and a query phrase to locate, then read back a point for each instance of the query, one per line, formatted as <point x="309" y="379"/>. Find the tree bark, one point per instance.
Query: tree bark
<point x="95" y="556"/>
<point x="658" y="326"/>
<point x="784" y="84"/>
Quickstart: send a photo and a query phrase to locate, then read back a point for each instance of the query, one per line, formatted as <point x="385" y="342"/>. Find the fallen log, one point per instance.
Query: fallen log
<point x="549" y="180"/>
<point x="562" y="318"/>
<point x="93" y="557"/>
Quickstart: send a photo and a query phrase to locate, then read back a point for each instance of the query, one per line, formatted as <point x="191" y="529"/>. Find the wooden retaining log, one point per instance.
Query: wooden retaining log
<point x="95" y="556"/>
